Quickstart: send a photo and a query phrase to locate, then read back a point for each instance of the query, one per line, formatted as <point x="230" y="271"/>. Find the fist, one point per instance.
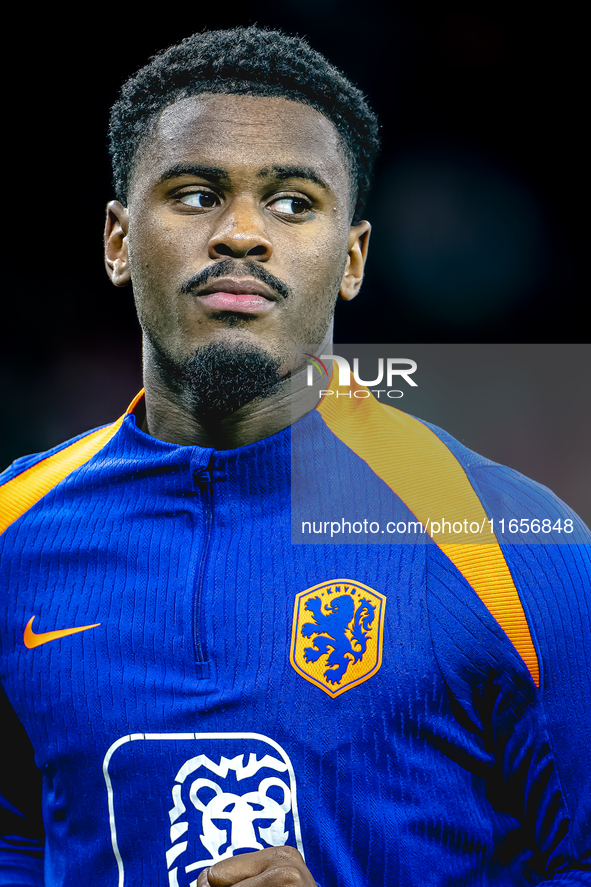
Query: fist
<point x="271" y="867"/>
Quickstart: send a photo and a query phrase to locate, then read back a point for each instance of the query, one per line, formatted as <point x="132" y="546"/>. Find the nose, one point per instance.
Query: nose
<point x="240" y="233"/>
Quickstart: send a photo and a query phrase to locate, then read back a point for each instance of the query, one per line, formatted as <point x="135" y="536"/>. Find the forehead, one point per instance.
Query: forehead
<point x="246" y="133"/>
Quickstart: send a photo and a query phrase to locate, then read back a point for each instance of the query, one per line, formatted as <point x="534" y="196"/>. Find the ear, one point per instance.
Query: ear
<point x="353" y="276"/>
<point x="116" y="244"/>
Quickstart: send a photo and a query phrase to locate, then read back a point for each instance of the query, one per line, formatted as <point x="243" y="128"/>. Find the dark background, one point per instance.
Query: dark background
<point x="477" y="206"/>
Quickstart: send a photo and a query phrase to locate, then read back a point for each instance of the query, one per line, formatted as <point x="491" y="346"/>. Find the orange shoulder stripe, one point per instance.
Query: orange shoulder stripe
<point x="425" y="474"/>
<point x="26" y="489"/>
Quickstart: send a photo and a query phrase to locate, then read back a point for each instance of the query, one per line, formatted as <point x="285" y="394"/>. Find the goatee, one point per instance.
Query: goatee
<point x="220" y="379"/>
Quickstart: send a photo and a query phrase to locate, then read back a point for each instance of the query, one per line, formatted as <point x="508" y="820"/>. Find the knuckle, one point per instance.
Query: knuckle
<point x="289" y="855"/>
<point x="294" y="876"/>
<point x="287" y="868"/>
<point x="286" y="876"/>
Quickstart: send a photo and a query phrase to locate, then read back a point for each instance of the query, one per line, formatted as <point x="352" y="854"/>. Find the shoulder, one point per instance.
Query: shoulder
<point x="81" y="447"/>
<point x="509" y="495"/>
<point x="24" y="463"/>
<point x="432" y="471"/>
<point x="31" y="478"/>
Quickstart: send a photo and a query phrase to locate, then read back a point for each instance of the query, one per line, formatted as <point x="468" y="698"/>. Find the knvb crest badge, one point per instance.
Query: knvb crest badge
<point x="338" y="634"/>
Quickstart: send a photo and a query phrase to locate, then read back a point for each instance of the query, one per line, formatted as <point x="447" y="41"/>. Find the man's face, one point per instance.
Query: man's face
<point x="238" y="227"/>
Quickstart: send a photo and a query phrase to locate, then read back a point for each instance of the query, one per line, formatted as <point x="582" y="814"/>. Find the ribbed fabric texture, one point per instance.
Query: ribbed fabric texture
<point x="447" y="767"/>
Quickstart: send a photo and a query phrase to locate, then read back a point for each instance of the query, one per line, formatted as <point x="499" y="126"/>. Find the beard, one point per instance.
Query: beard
<point x="219" y="379"/>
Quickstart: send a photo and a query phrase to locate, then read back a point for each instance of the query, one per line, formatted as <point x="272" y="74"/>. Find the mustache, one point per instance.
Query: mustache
<point x="227" y="268"/>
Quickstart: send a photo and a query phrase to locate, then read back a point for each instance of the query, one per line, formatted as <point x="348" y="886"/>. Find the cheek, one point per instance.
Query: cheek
<point x="322" y="266"/>
<point x="153" y="265"/>
<point x="158" y="269"/>
<point x="152" y="245"/>
<point x="324" y="273"/>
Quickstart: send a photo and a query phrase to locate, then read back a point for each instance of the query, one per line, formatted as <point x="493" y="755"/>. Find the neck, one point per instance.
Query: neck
<point x="170" y="417"/>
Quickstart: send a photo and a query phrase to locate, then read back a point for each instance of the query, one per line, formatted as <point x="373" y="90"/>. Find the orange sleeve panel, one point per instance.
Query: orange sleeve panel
<point x="26" y="489"/>
<point x="428" y="478"/>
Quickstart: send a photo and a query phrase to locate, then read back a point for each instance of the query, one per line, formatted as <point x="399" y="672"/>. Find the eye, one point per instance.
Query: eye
<point x="291" y="206"/>
<point x="199" y="199"/>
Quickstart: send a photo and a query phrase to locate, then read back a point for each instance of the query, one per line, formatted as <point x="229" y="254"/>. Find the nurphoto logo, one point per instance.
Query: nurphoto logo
<point x="395" y="368"/>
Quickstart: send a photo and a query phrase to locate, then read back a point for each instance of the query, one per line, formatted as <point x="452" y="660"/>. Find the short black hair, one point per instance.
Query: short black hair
<point x="243" y="61"/>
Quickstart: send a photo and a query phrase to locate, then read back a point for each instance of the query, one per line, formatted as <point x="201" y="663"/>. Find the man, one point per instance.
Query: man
<point x="207" y="702"/>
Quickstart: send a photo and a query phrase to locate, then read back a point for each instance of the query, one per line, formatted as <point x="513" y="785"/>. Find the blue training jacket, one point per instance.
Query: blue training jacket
<point x="355" y="636"/>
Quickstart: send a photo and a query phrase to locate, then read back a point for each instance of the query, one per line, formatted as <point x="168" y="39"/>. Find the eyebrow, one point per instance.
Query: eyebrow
<point x="293" y="172"/>
<point x="217" y="174"/>
<point x="210" y="173"/>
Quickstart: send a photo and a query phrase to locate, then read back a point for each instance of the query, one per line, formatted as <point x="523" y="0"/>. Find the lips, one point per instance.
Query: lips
<point x="246" y="303"/>
<point x="248" y="296"/>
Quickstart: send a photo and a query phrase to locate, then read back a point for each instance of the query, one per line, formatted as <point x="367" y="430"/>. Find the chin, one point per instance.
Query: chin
<point x="223" y="376"/>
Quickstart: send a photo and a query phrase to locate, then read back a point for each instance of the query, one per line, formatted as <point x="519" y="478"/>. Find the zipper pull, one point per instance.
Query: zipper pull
<point x="202" y="477"/>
